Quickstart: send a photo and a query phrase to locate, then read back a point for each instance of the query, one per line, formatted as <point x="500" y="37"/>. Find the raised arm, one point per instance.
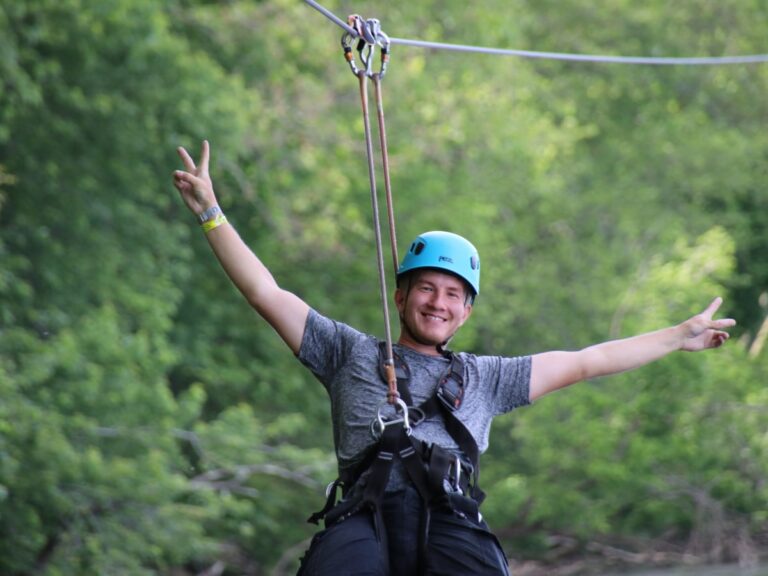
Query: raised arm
<point x="554" y="370"/>
<point x="286" y="312"/>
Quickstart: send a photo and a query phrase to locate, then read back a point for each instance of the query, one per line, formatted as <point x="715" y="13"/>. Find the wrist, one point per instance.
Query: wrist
<point x="208" y="214"/>
<point x="211" y="218"/>
<point x="680" y="335"/>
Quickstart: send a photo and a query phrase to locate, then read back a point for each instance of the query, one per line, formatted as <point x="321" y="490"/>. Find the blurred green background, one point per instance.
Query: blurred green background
<point x="150" y="423"/>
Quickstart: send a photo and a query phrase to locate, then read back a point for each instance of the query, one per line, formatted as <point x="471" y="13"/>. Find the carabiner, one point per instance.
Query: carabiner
<point x="382" y="424"/>
<point x="366" y="52"/>
<point x="384" y="43"/>
<point x="457" y="474"/>
<point x="346" y="44"/>
<point x="369" y="35"/>
<point x="332" y="486"/>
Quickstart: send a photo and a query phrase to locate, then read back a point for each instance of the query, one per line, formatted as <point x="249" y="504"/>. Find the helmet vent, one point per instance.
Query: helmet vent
<point x="417" y="247"/>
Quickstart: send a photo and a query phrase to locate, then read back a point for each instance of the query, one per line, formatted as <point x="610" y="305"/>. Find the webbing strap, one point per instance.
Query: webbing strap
<point x="382" y="464"/>
<point x="434" y="405"/>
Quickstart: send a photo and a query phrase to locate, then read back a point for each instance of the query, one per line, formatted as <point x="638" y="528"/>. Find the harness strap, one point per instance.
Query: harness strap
<point x="448" y="397"/>
<point x="439" y="475"/>
<point x="446" y="401"/>
<point x="439" y="463"/>
<point x="463" y="438"/>
<point x="414" y="466"/>
<point x="382" y="464"/>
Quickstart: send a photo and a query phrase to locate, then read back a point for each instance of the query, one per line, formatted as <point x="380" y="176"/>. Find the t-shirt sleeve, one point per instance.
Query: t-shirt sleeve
<point x="324" y="346"/>
<point x="508" y="381"/>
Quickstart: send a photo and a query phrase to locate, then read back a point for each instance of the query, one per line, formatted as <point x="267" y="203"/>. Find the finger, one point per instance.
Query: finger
<point x="189" y="164"/>
<point x="720" y="338"/>
<point x="205" y="156"/>
<point x="712" y="308"/>
<point x="179" y="182"/>
<point x="181" y="178"/>
<point x="723" y="323"/>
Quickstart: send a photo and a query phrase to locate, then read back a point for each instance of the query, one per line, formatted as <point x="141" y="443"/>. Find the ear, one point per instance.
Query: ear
<point x="467" y="314"/>
<point x="400" y="298"/>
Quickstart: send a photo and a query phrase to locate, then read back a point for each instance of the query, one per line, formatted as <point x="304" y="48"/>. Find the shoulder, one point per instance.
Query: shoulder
<point x="504" y="379"/>
<point x="320" y="327"/>
<point x="491" y="363"/>
<point x="328" y="340"/>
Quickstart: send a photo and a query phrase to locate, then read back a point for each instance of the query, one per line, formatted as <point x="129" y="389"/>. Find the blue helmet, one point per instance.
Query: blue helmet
<point x="444" y="251"/>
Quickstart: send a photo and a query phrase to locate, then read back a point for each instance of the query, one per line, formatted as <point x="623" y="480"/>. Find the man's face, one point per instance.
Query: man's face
<point x="432" y="308"/>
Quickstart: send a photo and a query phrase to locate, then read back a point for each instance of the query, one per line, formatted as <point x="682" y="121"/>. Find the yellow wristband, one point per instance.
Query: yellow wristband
<point x="215" y="223"/>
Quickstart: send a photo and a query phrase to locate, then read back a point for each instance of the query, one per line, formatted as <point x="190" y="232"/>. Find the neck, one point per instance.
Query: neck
<point x="408" y="340"/>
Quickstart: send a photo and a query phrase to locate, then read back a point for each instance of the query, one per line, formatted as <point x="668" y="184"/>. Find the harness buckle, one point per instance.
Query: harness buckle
<point x="450" y="389"/>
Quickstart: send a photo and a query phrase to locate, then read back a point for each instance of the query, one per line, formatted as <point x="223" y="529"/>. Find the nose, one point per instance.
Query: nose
<point x="437" y="300"/>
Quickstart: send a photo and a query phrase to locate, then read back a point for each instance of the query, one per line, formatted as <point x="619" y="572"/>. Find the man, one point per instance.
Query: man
<point x="409" y="475"/>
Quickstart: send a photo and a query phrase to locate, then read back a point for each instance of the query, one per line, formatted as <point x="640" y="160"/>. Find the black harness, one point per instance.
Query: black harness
<point x="441" y="477"/>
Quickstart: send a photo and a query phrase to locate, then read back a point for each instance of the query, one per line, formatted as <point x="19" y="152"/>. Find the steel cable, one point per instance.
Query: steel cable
<point x="595" y="58"/>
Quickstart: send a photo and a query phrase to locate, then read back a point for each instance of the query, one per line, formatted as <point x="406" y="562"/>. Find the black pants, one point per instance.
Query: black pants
<point x="357" y="546"/>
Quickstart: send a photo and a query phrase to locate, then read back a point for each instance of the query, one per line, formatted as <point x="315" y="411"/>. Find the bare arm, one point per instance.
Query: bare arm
<point x="554" y="370"/>
<point x="285" y="311"/>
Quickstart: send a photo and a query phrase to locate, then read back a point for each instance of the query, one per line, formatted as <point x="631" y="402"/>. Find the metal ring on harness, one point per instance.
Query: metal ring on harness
<point x="383" y="424"/>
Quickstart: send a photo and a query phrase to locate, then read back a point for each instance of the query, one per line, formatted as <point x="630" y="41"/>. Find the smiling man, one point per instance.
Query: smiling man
<point x="437" y="283"/>
<point x="409" y="477"/>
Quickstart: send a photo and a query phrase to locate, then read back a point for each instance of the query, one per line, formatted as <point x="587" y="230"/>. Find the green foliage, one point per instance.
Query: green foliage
<point x="149" y="424"/>
<point x="649" y="454"/>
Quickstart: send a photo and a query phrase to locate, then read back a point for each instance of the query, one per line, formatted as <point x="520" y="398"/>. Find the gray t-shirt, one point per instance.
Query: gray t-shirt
<point x="346" y="362"/>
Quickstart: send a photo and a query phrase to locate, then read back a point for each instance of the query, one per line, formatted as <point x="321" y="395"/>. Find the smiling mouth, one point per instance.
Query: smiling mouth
<point x="432" y="318"/>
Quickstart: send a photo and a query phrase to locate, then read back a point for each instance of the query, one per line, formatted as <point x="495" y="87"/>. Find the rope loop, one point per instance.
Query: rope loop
<point x="369" y="35"/>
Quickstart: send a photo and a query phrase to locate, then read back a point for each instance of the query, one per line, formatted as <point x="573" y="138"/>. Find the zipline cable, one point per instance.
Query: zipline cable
<point x="603" y="59"/>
